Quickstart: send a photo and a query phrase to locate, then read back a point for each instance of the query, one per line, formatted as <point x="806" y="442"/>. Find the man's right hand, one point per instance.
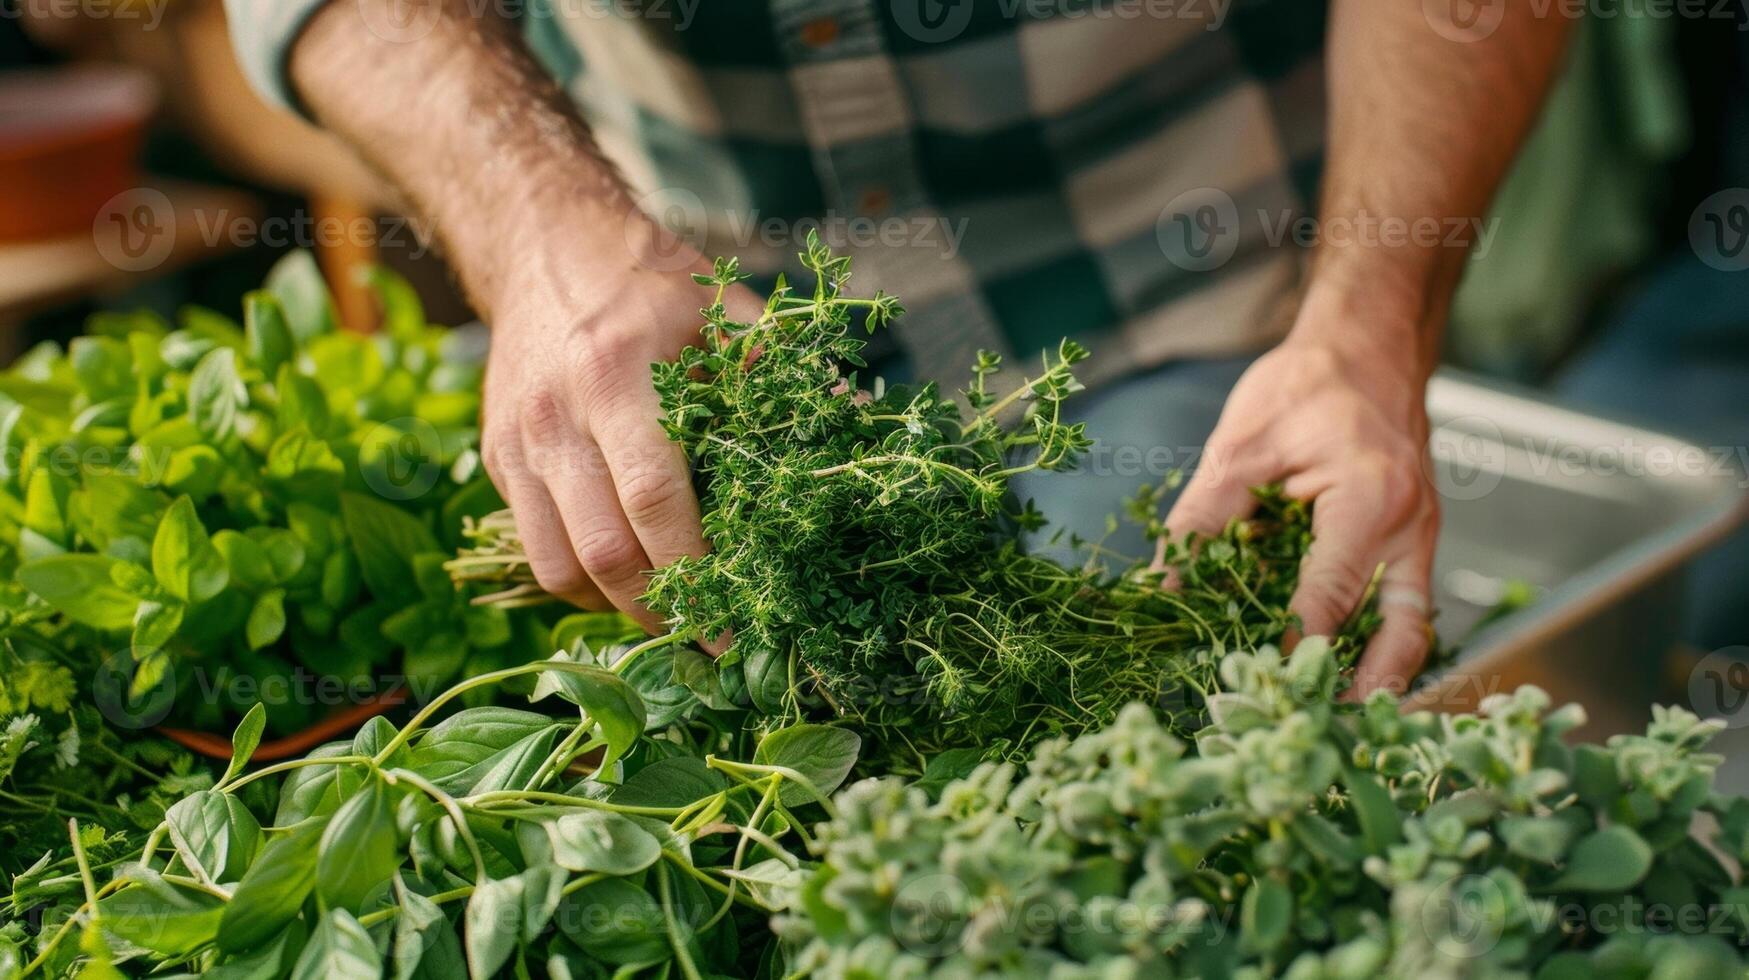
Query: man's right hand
<point x="571" y="431"/>
<point x="583" y="293"/>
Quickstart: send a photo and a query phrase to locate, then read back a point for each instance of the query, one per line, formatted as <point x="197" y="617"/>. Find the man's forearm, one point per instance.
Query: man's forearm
<point x="1422" y="129"/>
<point x="479" y="140"/>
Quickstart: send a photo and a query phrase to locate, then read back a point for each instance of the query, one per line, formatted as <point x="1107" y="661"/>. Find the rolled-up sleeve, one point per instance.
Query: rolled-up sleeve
<point x="262" y="32"/>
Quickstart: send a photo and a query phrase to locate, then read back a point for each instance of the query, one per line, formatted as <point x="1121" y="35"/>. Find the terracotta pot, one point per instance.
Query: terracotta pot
<point x="336" y="725"/>
<point x="69" y="142"/>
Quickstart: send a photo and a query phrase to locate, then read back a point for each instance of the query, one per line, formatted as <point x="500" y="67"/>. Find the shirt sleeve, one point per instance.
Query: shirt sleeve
<point x="262" y="33"/>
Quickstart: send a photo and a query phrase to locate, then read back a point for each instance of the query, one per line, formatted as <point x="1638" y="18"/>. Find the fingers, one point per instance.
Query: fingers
<point x="544" y="541"/>
<point x="1341" y="562"/>
<point x="651" y="480"/>
<point x="598" y="532"/>
<point x="1218" y="492"/>
<point x="1400" y="648"/>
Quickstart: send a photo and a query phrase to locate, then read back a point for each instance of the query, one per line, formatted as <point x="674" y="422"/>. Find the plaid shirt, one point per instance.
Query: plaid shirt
<point x="1014" y="170"/>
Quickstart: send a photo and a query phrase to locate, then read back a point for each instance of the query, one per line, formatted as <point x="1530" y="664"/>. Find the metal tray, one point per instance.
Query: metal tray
<point x="1600" y="517"/>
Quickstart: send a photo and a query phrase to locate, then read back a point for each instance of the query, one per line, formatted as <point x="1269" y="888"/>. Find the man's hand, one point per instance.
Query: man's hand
<point x="1424" y="120"/>
<point x="582" y="292"/>
<point x="1346" y="429"/>
<point x="572" y="435"/>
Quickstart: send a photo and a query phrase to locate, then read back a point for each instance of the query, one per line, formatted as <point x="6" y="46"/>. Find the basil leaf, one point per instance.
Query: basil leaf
<point x="425" y="944"/>
<point x="339" y="949"/>
<point x="215" y="835"/>
<point x="273" y="890"/>
<point x="216" y="394"/>
<point x="163" y="918"/>
<point x="183" y="558"/>
<point x="767" y="674"/>
<point x="672" y="782"/>
<point x="265" y="334"/>
<point x="608" y="701"/>
<point x="512" y="769"/>
<point x="296" y="282"/>
<point x="312" y="791"/>
<point x="80" y="587"/>
<point x="385" y="539"/>
<point x="822" y="753"/>
<point x="266" y="619"/>
<point x="506" y="911"/>
<point x="617" y="922"/>
<point x="595" y="840"/>
<point x="460" y="749"/>
<point x="666" y="700"/>
<point x="245" y="739"/>
<point x="360" y="849"/>
<point x="154" y="626"/>
<point x="700" y="676"/>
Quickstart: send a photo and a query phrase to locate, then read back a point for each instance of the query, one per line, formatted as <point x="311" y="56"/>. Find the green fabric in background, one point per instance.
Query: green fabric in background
<point x="1579" y="206"/>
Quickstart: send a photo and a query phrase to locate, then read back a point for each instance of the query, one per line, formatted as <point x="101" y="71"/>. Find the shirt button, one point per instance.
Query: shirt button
<point x="874" y="200"/>
<point x="819" y="32"/>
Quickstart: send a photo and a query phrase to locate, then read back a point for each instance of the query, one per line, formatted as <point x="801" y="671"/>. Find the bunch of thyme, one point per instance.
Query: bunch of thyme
<point x="866" y="552"/>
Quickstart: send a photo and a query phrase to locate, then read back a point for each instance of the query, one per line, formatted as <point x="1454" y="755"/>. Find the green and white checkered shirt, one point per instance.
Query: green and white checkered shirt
<point x="1014" y="170"/>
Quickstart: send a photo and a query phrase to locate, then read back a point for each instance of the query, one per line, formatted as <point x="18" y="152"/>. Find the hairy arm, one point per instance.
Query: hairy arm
<point x="582" y="291"/>
<point x="1425" y="117"/>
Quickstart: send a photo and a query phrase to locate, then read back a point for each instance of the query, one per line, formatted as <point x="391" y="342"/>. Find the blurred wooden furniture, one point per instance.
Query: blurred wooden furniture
<point x="179" y="225"/>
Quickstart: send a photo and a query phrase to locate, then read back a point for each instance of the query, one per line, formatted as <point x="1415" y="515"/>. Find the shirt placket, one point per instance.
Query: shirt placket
<point x="858" y="121"/>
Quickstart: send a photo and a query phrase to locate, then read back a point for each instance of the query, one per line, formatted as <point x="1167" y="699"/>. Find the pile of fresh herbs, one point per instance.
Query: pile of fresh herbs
<point x="865" y="548"/>
<point x="646" y="811"/>
<point x="1301" y="840"/>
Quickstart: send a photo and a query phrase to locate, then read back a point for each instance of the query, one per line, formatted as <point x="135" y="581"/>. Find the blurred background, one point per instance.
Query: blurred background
<point x="1607" y="322"/>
